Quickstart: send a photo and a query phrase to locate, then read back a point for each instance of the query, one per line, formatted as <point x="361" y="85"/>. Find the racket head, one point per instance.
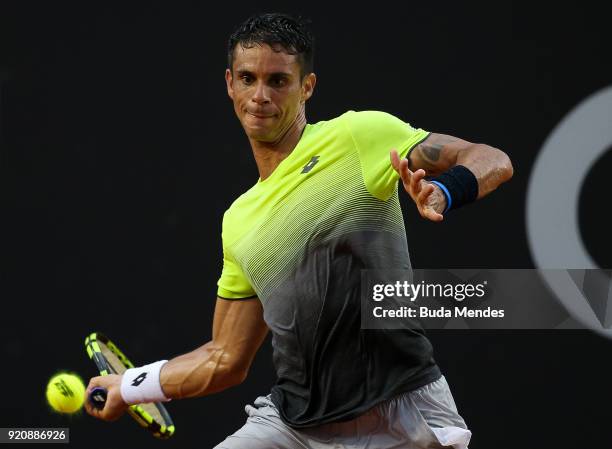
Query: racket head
<point x="110" y="360"/>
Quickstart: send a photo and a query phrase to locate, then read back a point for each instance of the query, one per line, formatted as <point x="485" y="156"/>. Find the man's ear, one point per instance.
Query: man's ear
<point x="228" y="82"/>
<point x="308" y="85"/>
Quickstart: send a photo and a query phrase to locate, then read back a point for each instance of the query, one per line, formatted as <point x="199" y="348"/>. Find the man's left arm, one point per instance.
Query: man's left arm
<point x="443" y="169"/>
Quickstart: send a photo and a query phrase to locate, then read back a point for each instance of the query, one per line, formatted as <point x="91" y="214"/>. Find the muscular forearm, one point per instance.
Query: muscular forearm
<point x="491" y="166"/>
<point x="238" y="332"/>
<point x="440" y="152"/>
<point x="206" y="370"/>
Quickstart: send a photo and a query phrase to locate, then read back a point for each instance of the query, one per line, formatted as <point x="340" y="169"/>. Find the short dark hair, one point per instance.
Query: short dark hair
<point x="275" y="29"/>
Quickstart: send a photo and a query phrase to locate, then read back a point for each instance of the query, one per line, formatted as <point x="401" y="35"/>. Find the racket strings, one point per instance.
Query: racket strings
<point x="117" y="363"/>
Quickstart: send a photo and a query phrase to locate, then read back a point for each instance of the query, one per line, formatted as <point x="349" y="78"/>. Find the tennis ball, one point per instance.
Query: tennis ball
<point x="66" y="393"/>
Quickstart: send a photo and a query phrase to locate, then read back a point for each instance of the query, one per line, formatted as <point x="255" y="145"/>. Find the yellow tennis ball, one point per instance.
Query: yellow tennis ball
<point x="66" y="393"/>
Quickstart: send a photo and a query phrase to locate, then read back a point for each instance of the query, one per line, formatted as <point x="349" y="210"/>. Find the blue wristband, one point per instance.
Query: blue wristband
<point x="449" y="200"/>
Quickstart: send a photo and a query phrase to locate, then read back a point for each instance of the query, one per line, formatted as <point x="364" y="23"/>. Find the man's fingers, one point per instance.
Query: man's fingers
<point x="432" y="215"/>
<point x="405" y="172"/>
<point x="105" y="414"/>
<point x="112" y="408"/>
<point x="90" y="409"/>
<point x="395" y="160"/>
<point x="94" y="382"/>
<point x="88" y="406"/>
<point x="415" y="185"/>
<point x="424" y="193"/>
<point x="103" y="381"/>
<point x="415" y="181"/>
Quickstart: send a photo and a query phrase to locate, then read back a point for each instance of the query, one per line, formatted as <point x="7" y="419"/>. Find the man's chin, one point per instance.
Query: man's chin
<point x="259" y="134"/>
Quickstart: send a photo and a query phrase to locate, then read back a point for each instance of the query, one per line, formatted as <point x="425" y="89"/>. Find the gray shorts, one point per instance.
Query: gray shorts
<point x="423" y="418"/>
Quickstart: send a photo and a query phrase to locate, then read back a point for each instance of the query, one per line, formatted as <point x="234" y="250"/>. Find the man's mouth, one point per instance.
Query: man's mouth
<point x="260" y="115"/>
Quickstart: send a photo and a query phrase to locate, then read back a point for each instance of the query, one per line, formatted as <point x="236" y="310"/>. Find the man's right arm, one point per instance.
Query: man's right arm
<point x="238" y="332"/>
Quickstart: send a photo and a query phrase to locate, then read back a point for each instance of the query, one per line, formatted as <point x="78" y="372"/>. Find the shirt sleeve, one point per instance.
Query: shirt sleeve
<point x="375" y="134"/>
<point x="233" y="284"/>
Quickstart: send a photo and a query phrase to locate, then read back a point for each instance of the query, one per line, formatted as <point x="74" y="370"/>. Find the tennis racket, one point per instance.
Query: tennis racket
<point x="110" y="360"/>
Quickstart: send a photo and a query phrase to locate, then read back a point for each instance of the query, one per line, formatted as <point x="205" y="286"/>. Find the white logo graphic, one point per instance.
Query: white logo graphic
<point x="578" y="141"/>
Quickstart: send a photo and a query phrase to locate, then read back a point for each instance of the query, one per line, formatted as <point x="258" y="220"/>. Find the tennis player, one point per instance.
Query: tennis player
<point x="324" y="208"/>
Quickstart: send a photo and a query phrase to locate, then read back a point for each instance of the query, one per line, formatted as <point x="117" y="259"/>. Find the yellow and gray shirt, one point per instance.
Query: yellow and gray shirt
<point x="298" y="241"/>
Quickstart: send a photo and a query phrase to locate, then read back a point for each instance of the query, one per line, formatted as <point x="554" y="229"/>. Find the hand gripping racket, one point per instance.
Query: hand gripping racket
<point x="110" y="360"/>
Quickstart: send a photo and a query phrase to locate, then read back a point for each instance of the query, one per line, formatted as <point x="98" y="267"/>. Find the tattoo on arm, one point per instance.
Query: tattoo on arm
<point x="428" y="154"/>
<point x="431" y="151"/>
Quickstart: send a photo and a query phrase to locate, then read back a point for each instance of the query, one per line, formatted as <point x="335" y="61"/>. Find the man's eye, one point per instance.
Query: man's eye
<point x="246" y="79"/>
<point x="279" y="82"/>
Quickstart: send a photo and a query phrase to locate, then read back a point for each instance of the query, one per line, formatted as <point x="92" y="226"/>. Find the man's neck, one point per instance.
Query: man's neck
<point x="268" y="155"/>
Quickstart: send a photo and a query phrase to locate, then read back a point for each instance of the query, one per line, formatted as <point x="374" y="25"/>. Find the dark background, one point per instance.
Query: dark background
<point x="120" y="151"/>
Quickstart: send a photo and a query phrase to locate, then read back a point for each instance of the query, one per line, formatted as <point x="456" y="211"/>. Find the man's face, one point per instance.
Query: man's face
<point x="267" y="91"/>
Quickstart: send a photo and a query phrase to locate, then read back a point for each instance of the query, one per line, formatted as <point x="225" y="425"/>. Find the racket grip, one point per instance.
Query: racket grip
<point x="97" y="397"/>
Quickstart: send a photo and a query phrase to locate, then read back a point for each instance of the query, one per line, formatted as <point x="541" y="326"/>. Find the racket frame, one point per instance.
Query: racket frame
<point x="142" y="417"/>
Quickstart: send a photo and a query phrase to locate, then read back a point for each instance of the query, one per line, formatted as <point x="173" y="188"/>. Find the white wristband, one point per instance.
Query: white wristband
<point x="141" y="385"/>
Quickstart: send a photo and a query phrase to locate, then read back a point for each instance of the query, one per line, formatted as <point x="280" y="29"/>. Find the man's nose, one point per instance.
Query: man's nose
<point x="261" y="94"/>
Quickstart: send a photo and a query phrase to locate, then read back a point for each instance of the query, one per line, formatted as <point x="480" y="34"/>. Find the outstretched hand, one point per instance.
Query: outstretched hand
<point x="428" y="197"/>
